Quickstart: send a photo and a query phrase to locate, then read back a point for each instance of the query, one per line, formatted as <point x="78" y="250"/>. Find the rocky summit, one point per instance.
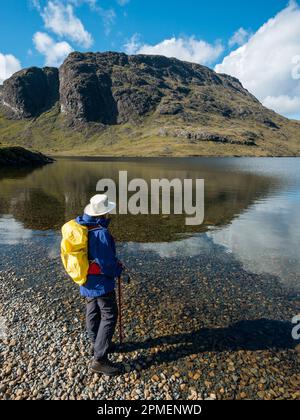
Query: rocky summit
<point x="30" y="92"/>
<point x="170" y="106"/>
<point x="113" y="88"/>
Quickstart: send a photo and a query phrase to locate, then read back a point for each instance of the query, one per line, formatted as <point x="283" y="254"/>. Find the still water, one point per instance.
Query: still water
<point x="252" y="208"/>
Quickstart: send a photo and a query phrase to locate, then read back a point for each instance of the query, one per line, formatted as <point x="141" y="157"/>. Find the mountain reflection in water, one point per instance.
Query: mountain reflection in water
<point x="251" y="207"/>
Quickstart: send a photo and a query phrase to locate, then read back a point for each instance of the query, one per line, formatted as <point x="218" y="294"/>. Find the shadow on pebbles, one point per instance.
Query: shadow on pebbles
<point x="196" y="328"/>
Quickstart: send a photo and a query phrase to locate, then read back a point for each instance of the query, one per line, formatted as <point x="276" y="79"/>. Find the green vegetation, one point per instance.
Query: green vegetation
<point x="51" y="134"/>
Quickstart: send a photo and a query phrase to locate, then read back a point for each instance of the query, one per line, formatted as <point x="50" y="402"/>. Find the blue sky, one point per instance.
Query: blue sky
<point x="233" y="36"/>
<point x="154" y="20"/>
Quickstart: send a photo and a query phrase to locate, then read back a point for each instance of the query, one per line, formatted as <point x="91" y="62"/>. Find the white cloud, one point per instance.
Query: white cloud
<point x="267" y="64"/>
<point x="187" y="49"/>
<point x="36" y="4"/>
<point x="287" y="104"/>
<point x="60" y="19"/>
<point x="239" y="37"/>
<point x="39" y="4"/>
<point x="9" y="64"/>
<point x="91" y="3"/>
<point x="133" y="45"/>
<point x="54" y="52"/>
<point x="108" y="16"/>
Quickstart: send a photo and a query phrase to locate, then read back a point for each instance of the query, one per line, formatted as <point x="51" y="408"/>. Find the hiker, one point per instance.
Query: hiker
<point x="98" y="285"/>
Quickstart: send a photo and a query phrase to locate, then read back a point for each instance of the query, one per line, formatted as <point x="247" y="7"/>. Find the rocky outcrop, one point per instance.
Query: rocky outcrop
<point x="17" y="156"/>
<point x="114" y="88"/>
<point x="194" y="136"/>
<point x="30" y="92"/>
<point x="109" y="88"/>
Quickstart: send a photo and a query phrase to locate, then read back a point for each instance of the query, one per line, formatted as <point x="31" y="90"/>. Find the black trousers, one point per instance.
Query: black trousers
<point x="101" y="321"/>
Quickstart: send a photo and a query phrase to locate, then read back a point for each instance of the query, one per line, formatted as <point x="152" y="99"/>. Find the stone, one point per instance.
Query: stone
<point x="196" y="376"/>
<point x="31" y="91"/>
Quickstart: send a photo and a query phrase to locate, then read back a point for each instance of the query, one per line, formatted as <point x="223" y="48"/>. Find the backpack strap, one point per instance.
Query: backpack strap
<point x="94" y="268"/>
<point x="90" y="228"/>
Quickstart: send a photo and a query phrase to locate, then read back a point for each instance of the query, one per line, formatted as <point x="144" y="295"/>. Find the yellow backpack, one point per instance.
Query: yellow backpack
<point x="74" y="251"/>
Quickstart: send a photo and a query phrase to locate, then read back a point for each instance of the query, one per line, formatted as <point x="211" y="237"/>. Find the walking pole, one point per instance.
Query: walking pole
<point x="120" y="311"/>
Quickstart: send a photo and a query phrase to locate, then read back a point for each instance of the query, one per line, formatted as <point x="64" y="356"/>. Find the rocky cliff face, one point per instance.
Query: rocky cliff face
<point x="113" y="88"/>
<point x="30" y="92"/>
<point x="112" y="103"/>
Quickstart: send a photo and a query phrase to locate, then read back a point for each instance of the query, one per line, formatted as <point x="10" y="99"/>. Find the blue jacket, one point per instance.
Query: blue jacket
<point x="101" y="250"/>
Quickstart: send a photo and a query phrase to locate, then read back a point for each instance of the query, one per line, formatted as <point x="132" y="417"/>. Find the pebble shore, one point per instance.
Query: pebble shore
<point x="196" y="328"/>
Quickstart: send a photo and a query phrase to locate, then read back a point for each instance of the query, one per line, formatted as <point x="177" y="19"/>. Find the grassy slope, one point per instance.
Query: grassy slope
<point x="50" y="134"/>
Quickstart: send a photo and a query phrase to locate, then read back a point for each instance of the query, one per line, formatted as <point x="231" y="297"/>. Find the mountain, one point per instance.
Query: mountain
<point x="115" y="104"/>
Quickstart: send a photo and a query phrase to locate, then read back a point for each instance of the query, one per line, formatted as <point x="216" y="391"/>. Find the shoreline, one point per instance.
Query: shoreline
<point x="134" y="158"/>
<point x="150" y="158"/>
<point x="212" y="331"/>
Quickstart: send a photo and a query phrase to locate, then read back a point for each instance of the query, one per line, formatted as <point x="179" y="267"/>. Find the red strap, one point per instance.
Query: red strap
<point x="95" y="269"/>
<point x="94" y="227"/>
